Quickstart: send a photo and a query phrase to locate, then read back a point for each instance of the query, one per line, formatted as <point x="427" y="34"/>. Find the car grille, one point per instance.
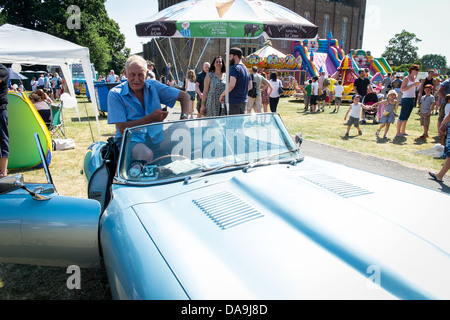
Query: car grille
<point x="340" y="187"/>
<point x="226" y="209"/>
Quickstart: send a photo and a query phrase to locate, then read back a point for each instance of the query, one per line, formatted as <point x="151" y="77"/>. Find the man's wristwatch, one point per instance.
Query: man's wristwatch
<point x="183" y="116"/>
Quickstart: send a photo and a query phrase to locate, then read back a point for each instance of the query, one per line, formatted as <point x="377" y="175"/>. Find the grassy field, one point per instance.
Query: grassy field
<point x="31" y="282"/>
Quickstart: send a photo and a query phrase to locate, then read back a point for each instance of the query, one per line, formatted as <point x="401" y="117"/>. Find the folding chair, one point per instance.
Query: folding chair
<point x="57" y="126"/>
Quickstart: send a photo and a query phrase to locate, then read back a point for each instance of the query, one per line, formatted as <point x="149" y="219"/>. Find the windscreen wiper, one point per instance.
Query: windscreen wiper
<point x="265" y="160"/>
<point x="214" y="170"/>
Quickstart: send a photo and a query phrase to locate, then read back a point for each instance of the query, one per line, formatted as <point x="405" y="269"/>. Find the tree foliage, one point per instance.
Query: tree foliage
<point x="401" y="49"/>
<point x="434" y="61"/>
<point x="95" y="29"/>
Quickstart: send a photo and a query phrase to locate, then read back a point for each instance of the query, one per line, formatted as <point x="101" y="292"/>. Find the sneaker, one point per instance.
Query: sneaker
<point x="424" y="136"/>
<point x="360" y="133"/>
<point x="377" y="133"/>
<point x="346" y="134"/>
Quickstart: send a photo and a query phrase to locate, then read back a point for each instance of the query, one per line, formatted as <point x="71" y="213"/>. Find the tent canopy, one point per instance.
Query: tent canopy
<point x="26" y="46"/>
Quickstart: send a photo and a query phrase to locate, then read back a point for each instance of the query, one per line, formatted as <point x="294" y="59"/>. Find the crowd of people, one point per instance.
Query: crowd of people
<point x="409" y="92"/>
<point x="51" y="83"/>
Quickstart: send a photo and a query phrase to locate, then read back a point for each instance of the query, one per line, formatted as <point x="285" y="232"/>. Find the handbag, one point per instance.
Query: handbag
<point x="280" y="88"/>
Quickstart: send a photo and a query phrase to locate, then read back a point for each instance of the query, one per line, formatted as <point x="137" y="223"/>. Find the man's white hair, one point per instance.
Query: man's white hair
<point x="135" y="59"/>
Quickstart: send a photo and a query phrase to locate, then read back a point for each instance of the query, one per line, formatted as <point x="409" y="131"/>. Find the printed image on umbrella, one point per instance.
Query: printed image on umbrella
<point x="227" y="19"/>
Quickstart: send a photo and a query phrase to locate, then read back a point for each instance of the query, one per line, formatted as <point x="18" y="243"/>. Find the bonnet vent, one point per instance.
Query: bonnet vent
<point x="340" y="187"/>
<point x="226" y="209"/>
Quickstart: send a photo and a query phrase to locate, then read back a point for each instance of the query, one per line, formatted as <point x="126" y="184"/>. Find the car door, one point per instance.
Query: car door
<point x="39" y="226"/>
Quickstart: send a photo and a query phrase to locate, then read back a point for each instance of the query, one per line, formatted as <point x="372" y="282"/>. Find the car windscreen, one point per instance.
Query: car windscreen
<point x="174" y="150"/>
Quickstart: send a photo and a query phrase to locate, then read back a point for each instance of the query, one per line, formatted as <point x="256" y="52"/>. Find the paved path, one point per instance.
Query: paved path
<point x="361" y="161"/>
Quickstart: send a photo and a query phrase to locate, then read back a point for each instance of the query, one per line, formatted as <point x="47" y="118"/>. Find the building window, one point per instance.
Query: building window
<point x="326" y="25"/>
<point x="344" y="29"/>
<point x="308" y="15"/>
<point x="284" y="44"/>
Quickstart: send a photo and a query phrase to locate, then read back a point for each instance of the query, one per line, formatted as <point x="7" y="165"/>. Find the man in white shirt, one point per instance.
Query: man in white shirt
<point x="111" y="77"/>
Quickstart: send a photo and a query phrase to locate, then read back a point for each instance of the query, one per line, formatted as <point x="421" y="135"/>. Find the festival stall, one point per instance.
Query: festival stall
<point x="269" y="59"/>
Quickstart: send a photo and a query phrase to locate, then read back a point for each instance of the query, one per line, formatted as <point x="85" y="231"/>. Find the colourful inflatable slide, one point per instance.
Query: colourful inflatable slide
<point x="365" y="60"/>
<point x="23" y="122"/>
<point x="319" y="55"/>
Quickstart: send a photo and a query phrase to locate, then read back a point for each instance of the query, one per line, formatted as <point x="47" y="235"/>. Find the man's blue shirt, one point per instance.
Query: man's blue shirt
<point x="240" y="91"/>
<point x="124" y="106"/>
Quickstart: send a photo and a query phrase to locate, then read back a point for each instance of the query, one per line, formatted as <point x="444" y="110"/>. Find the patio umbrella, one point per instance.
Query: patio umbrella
<point x="15" y="76"/>
<point x="227" y="19"/>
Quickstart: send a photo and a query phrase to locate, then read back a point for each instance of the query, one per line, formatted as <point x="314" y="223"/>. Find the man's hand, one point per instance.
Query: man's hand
<point x="158" y="115"/>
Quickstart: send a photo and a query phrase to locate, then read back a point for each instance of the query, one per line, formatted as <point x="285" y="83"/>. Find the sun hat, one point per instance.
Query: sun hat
<point x="392" y="92"/>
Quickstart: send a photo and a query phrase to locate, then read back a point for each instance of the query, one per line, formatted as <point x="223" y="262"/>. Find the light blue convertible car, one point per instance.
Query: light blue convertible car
<point x="229" y="208"/>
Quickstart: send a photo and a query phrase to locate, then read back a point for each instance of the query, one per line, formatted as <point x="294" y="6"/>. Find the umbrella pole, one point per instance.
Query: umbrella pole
<point x="227" y="83"/>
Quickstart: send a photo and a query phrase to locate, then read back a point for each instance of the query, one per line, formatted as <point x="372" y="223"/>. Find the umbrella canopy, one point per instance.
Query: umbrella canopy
<point x="227" y="19"/>
<point x="15" y="76"/>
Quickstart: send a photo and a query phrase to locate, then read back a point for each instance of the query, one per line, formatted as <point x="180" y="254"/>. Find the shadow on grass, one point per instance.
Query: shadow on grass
<point x="399" y="141"/>
<point x="383" y="140"/>
<point x="420" y="141"/>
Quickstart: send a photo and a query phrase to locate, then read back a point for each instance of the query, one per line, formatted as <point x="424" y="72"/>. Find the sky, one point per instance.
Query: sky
<point x="384" y="19"/>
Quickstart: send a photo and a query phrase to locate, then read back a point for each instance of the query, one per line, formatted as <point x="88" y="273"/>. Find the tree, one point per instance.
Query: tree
<point x="401" y="49"/>
<point x="434" y="61"/>
<point x="94" y="29"/>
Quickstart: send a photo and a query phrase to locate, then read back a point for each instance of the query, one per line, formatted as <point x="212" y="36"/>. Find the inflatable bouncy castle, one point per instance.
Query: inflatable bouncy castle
<point x="347" y="74"/>
<point x="364" y="59"/>
<point x="319" y="55"/>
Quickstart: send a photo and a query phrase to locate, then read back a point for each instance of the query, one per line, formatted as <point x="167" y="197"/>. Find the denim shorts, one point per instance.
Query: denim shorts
<point x="447" y="143"/>
<point x="407" y="108"/>
<point x="191" y="94"/>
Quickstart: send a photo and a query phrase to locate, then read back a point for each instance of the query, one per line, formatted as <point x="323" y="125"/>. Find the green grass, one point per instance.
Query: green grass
<point x="329" y="128"/>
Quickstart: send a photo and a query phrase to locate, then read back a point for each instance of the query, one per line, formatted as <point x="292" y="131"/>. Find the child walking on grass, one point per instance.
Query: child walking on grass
<point x="338" y="90"/>
<point x="426" y="109"/>
<point x="389" y="113"/>
<point x="356" y="109"/>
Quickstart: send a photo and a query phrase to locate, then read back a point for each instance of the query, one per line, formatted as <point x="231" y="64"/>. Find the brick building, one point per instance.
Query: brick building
<point x="344" y="18"/>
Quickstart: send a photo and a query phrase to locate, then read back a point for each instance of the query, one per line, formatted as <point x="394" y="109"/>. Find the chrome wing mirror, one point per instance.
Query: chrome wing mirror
<point x="299" y="139"/>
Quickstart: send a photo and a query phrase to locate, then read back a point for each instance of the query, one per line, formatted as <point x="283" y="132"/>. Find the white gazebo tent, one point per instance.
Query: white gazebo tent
<point x="26" y="46"/>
